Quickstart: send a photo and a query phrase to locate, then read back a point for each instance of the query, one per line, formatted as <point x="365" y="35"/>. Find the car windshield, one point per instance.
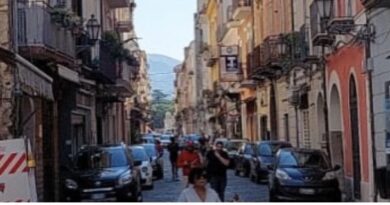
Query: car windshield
<point x="270" y="149"/>
<point x="233" y="146"/>
<point x="139" y="154"/>
<point x="165" y="137"/>
<point x="101" y="158"/>
<point x="303" y="160"/>
<point x="150" y="150"/>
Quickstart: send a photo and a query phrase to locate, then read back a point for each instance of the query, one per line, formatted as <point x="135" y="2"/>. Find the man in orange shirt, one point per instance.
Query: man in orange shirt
<point x="189" y="159"/>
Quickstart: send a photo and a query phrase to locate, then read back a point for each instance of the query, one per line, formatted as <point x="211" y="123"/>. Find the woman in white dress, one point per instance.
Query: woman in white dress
<point x="198" y="191"/>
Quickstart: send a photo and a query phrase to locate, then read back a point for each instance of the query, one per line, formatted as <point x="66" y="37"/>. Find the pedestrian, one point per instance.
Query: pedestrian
<point x="203" y="144"/>
<point x="189" y="159"/>
<point x="217" y="165"/>
<point x="173" y="149"/>
<point x="159" y="149"/>
<point x="198" y="190"/>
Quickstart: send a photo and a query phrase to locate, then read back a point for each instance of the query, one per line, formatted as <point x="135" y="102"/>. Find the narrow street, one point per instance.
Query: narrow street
<point x="166" y="190"/>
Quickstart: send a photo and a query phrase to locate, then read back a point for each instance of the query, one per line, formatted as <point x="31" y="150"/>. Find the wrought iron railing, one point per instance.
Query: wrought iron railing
<point x="241" y="3"/>
<point x="36" y="28"/>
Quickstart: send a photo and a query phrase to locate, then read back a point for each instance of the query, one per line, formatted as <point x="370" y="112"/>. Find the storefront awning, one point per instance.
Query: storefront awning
<point x="33" y="81"/>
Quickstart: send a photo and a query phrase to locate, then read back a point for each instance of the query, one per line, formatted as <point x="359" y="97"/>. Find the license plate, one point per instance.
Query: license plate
<point x="98" y="196"/>
<point x="307" y="191"/>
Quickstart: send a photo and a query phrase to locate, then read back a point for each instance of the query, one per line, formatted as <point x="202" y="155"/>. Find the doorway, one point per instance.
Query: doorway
<point x="354" y="117"/>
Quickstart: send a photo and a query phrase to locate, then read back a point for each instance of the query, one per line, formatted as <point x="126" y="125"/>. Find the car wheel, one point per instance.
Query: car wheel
<point x="246" y="172"/>
<point x="140" y="197"/>
<point x="272" y="197"/>
<point x="252" y="177"/>
<point x="236" y="172"/>
<point x="150" y="187"/>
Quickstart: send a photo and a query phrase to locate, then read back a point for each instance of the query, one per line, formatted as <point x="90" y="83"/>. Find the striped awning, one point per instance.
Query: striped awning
<point x="32" y="80"/>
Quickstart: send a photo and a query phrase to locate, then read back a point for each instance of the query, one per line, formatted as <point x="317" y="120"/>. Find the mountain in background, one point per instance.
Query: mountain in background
<point x="161" y="73"/>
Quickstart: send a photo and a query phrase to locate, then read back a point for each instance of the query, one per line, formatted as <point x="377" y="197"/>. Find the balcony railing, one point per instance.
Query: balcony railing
<point x="108" y="64"/>
<point x="241" y="9"/>
<point x="280" y="51"/>
<point x="124" y="26"/>
<point x="212" y="55"/>
<point x="114" y="4"/>
<point x="39" y="35"/>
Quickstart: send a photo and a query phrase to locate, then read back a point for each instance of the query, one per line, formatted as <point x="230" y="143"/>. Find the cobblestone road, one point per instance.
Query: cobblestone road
<point x="166" y="190"/>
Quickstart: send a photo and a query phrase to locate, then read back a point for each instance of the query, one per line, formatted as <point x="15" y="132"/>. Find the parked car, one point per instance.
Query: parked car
<point x="303" y="175"/>
<point x="156" y="161"/>
<point x="148" y="139"/>
<point x="103" y="173"/>
<point x="243" y="158"/>
<point x="263" y="157"/>
<point x="165" y="140"/>
<point x="141" y="157"/>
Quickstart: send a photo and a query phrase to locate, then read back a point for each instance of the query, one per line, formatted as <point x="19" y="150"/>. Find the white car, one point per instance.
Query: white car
<point x="142" y="159"/>
<point x="166" y="140"/>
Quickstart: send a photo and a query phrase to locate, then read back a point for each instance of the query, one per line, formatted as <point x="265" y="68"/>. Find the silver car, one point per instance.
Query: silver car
<point x="141" y="157"/>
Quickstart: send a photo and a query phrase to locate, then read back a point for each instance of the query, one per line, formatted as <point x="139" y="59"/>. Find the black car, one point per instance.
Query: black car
<point x="303" y="175"/>
<point x="263" y="157"/>
<point x="156" y="161"/>
<point x="243" y="158"/>
<point x="103" y="173"/>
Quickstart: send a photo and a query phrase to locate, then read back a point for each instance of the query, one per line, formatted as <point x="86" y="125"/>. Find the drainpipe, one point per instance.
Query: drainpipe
<point x="324" y="88"/>
<point x="372" y="122"/>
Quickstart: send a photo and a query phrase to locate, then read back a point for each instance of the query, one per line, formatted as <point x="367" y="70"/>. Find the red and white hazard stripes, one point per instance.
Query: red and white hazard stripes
<point x="13" y="163"/>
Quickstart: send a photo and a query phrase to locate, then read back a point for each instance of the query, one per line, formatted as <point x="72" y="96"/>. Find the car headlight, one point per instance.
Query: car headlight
<point x="282" y="175"/>
<point x="144" y="169"/>
<point x="125" y="178"/>
<point x="71" y="184"/>
<point x="329" y="176"/>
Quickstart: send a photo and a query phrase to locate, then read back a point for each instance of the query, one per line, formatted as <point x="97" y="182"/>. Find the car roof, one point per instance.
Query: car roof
<point x="272" y="142"/>
<point x="294" y="149"/>
<point x="136" y="147"/>
<point x="148" y="144"/>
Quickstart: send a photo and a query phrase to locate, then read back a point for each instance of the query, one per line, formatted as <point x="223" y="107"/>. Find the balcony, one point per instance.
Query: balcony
<point x="274" y="51"/>
<point x="279" y="52"/>
<point x="212" y="55"/>
<point x="124" y="26"/>
<point x="375" y="3"/>
<point x="241" y="9"/>
<point x="319" y="34"/>
<point x="107" y="71"/>
<point x="341" y="25"/>
<point x="41" y="38"/>
<point x="115" y="4"/>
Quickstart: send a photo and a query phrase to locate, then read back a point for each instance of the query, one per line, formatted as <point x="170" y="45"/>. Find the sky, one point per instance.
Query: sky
<point x="165" y="26"/>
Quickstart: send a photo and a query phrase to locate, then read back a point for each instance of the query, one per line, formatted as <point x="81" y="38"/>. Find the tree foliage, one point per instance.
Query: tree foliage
<point x="160" y="105"/>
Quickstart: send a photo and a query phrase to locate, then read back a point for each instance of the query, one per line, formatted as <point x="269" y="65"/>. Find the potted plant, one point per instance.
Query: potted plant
<point x="58" y="14"/>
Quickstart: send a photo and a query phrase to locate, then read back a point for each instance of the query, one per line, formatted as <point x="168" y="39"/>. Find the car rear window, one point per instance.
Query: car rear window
<point x="150" y="150"/>
<point x="101" y="158"/>
<point x="303" y="160"/>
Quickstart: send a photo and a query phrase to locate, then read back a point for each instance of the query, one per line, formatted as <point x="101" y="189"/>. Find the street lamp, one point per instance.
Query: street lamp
<point x="324" y="8"/>
<point x="93" y="29"/>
